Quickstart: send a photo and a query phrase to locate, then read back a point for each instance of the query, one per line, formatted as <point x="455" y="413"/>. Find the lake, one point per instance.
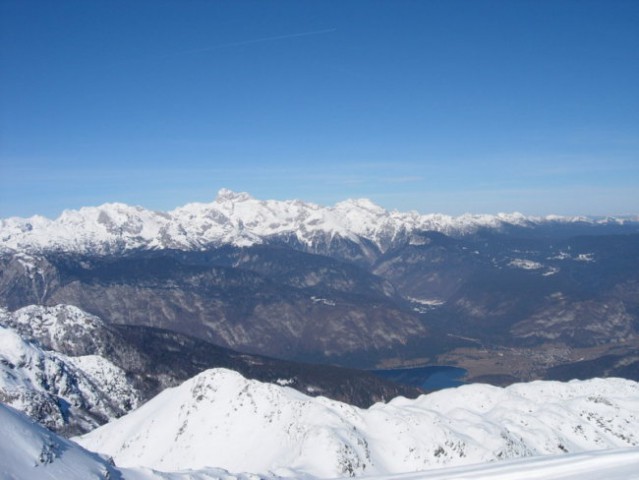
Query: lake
<point x="433" y="377"/>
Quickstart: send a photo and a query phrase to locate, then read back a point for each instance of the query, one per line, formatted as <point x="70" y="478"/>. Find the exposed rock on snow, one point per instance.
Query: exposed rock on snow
<point x="68" y="395"/>
<point x="63" y="328"/>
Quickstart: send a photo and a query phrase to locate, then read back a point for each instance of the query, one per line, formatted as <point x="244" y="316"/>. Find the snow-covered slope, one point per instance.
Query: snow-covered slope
<point x="237" y="219"/>
<point x="622" y="464"/>
<point x="220" y="419"/>
<point x="66" y="394"/>
<point x="30" y="452"/>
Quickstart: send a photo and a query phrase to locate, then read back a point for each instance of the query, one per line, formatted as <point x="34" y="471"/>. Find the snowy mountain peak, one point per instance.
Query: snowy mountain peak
<point x="360" y="204"/>
<point x="225" y="195"/>
<point x="239" y="219"/>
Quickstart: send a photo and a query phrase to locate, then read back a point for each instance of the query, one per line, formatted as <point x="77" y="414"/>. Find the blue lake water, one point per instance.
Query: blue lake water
<point x="433" y="377"/>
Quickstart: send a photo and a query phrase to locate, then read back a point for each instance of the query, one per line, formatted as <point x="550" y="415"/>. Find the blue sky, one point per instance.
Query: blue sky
<point x="437" y="106"/>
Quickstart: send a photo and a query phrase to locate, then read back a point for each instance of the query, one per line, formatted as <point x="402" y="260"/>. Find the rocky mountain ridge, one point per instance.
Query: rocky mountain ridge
<point x="70" y="395"/>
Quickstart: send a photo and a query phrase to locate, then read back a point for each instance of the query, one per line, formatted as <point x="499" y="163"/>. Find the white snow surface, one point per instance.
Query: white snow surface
<point x="220" y="419"/>
<point x="30" y="452"/>
<point x="525" y="264"/>
<point x="238" y="219"/>
<point x="622" y="464"/>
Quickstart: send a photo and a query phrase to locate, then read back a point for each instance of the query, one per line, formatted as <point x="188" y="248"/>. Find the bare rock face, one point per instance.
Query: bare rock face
<point x="26" y="279"/>
<point x="308" y="307"/>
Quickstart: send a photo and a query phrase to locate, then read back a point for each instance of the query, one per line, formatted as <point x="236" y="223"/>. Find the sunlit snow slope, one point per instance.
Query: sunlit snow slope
<point x="221" y="419"/>
<point x="622" y="464"/>
<point x="30" y="452"/>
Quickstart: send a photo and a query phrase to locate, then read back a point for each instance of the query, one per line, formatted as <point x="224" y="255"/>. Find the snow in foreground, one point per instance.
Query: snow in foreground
<point x="220" y="419"/>
<point x="620" y="464"/>
<point x="30" y="452"/>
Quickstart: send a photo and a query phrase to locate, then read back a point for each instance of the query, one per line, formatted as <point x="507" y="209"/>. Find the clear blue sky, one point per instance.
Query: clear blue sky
<point x="438" y="106"/>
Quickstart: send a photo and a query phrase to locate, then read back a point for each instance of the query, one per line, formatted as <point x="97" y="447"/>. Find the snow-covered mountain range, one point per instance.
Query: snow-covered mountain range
<point x="221" y="419"/>
<point x="352" y="282"/>
<point x="241" y="220"/>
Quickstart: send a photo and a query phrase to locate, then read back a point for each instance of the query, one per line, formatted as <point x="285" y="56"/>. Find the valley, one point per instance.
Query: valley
<point x="506" y="365"/>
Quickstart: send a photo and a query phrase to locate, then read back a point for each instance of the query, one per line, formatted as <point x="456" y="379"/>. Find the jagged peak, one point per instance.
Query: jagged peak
<point x="227" y="195"/>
